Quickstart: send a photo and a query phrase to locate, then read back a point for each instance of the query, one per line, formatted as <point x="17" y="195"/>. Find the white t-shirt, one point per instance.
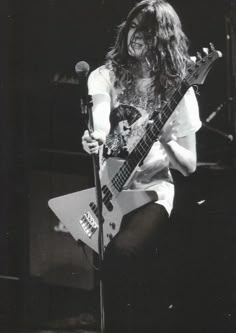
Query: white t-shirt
<point x="128" y="117"/>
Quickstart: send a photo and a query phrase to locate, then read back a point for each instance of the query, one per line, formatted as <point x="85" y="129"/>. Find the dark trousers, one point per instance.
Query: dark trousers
<point x="129" y="271"/>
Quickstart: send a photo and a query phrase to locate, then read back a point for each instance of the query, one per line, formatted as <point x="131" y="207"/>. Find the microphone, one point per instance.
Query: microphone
<point x="218" y="109"/>
<point x="82" y="69"/>
<point x="214" y="113"/>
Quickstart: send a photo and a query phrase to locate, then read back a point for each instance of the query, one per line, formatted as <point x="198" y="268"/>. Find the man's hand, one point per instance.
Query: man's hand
<point x="92" y="141"/>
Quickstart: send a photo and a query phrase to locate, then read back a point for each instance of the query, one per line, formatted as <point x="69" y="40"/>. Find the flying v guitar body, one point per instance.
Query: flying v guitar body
<point x="78" y="210"/>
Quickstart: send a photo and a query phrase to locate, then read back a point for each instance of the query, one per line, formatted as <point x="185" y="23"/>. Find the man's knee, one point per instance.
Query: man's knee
<point x="120" y="249"/>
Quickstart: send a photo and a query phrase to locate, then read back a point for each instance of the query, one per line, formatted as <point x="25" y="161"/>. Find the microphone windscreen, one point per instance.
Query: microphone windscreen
<point x="82" y="67"/>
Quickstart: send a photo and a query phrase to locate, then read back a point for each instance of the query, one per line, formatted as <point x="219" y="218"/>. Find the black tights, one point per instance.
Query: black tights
<point x="128" y="271"/>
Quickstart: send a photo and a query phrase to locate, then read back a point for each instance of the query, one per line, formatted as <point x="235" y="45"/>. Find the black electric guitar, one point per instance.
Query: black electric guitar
<point x="78" y="211"/>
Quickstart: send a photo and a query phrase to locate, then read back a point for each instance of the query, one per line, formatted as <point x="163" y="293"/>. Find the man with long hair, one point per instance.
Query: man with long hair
<point x="147" y="62"/>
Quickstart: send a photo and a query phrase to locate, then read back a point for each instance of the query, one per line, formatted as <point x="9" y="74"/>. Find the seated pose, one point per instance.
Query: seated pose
<point x="149" y="58"/>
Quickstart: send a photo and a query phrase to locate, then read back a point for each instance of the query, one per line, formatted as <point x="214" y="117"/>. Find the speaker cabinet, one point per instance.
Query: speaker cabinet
<point x="55" y="257"/>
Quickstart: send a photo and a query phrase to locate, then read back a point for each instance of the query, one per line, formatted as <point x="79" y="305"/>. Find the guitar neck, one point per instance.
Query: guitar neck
<point x="152" y="131"/>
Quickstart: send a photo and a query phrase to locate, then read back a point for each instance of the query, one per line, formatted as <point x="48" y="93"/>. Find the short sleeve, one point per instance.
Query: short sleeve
<point x="186" y="116"/>
<point x="99" y="82"/>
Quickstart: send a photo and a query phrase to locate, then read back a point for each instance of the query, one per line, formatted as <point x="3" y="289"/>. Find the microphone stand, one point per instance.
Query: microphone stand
<point x="82" y="70"/>
<point x="87" y="109"/>
<point x="228" y="137"/>
<point x="212" y="115"/>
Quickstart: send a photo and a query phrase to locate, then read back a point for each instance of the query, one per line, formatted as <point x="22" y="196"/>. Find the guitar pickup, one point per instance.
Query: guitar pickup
<point x="88" y="224"/>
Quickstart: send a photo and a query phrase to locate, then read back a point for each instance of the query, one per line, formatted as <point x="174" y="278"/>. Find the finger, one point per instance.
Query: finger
<point x="90" y="147"/>
<point x="86" y="137"/>
<point x="94" y="150"/>
<point x="86" y="134"/>
<point x="93" y="147"/>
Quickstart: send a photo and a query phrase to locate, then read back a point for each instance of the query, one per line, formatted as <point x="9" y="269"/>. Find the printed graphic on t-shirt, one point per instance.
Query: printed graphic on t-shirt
<point x="127" y="127"/>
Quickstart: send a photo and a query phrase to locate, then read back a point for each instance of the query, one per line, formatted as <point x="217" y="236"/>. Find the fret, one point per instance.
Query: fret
<point x="117" y="183"/>
<point x="137" y="153"/>
<point x="141" y="148"/>
<point x="124" y="173"/>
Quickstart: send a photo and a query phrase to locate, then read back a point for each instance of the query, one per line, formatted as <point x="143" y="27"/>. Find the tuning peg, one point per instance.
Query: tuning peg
<point x="212" y="47"/>
<point x="205" y="50"/>
<point x="199" y="56"/>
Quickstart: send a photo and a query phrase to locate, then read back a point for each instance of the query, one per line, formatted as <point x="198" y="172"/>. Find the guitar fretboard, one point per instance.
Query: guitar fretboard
<point x="151" y="134"/>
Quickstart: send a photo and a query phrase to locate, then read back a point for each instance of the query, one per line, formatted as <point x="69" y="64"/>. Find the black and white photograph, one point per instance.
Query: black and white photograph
<point x="118" y="166"/>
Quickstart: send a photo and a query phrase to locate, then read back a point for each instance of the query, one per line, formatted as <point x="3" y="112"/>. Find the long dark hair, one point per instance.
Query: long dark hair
<point x="166" y="43"/>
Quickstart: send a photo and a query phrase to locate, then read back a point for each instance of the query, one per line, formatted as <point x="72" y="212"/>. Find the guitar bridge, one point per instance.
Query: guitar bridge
<point x="88" y="224"/>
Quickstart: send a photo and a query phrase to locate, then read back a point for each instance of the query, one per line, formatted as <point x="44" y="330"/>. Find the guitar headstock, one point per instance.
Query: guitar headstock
<point x="198" y="70"/>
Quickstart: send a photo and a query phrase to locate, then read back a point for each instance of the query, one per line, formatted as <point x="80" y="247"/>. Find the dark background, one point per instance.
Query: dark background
<point x="41" y="157"/>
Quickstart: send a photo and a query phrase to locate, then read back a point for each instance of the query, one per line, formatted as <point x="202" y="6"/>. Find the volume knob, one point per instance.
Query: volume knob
<point x="110" y="236"/>
<point x="112" y="225"/>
